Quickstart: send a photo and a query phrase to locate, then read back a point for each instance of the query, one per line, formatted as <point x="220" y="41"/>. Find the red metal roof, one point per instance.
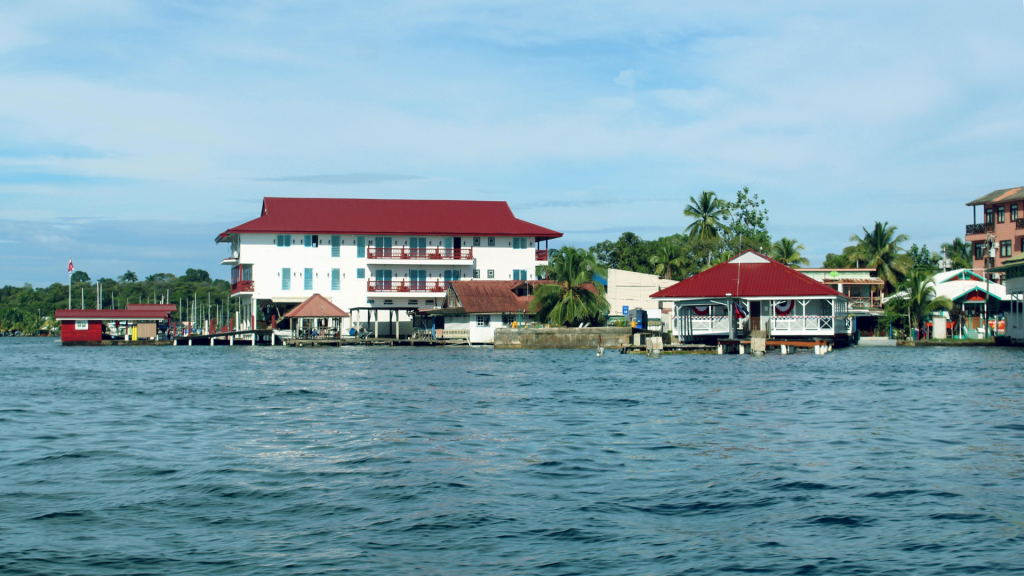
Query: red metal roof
<point x="111" y="314"/>
<point x="371" y="216"/>
<point x="169" y="308"/>
<point x="477" y="296"/>
<point x="316" y="306"/>
<point x="747" y="280"/>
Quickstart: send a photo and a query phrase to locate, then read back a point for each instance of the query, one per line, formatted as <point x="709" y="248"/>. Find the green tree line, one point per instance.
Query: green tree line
<point x="30" y="309"/>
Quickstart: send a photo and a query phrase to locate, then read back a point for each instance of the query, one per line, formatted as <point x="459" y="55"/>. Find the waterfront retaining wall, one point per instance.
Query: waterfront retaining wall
<point x="567" y="338"/>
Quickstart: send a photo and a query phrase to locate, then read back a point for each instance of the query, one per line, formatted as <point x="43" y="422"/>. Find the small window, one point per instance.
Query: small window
<point x="476" y="273"/>
<point x="428" y="302"/>
<point x="286" y="278"/>
<point x="1013" y="212"/>
<point x="361" y="247"/>
<point x="284" y="240"/>
<point x="1001" y="214"/>
<point x="483" y="321"/>
<point x="81" y="324"/>
<point x="979" y="250"/>
<point x="490" y="240"/>
<point x="370" y="302"/>
<point x="335" y="279"/>
<point x="507" y="319"/>
<point x="360" y="273"/>
<point x="414" y="302"/>
<point x="335" y="246"/>
<point x="476" y="240"/>
<point x="1006" y="248"/>
<point x="988" y="216"/>
<point x="389" y="302"/>
<point x="490" y="274"/>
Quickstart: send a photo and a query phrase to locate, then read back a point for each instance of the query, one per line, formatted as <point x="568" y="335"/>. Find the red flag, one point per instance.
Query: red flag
<point x="71" y="266"/>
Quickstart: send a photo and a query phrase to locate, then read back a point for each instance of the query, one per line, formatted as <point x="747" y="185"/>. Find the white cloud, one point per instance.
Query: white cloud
<point x="626" y="78"/>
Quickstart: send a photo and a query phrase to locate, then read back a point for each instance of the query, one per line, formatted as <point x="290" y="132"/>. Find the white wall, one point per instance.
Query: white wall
<point x="633" y="289"/>
<point x="268" y="260"/>
<point x="477" y="334"/>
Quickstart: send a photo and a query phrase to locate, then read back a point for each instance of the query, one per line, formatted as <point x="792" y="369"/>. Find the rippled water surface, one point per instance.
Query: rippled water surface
<point x="475" y="461"/>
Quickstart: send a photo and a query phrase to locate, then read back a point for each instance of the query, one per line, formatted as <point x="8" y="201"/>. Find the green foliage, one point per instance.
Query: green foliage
<point x="787" y="251"/>
<point x="709" y="213"/>
<point x="629" y="252"/>
<point x="79" y="276"/>
<point x="881" y="248"/>
<point x="21" y="308"/>
<point x="746" y="227"/>
<point x="959" y="252"/>
<point x="835" y="261"/>
<point x="669" y="259"/>
<point x="918" y="297"/>
<point x="129" y="276"/>
<point x="923" y="258"/>
<point x="568" y="302"/>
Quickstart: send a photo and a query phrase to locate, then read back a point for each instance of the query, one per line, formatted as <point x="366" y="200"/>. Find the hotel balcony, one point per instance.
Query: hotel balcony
<point x="542" y="256"/>
<point x="436" y="255"/>
<point x="983" y="228"/>
<point x="407" y="286"/>
<point x="242" y="286"/>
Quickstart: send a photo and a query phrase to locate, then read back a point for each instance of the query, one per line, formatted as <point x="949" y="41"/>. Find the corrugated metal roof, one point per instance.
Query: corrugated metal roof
<point x="399" y="217"/>
<point x="111" y="314"/>
<point x="494" y="296"/>
<point x="316" y="306"/>
<point x="169" y="308"/>
<point x="1004" y="195"/>
<point x="748" y="280"/>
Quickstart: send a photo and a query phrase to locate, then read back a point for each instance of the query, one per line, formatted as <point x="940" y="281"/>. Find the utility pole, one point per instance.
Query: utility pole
<point x="988" y="253"/>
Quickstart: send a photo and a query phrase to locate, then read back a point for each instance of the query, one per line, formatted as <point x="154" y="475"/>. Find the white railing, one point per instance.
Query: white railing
<point x="709" y="324"/>
<point x="806" y="324"/>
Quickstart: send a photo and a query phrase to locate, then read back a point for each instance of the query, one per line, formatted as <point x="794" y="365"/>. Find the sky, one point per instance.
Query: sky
<point x="133" y="132"/>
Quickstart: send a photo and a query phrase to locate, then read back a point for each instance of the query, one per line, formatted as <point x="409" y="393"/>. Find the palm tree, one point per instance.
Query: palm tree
<point x="881" y="248"/>
<point x="708" y="213"/>
<point x="919" y="294"/>
<point x="668" y="260"/>
<point x="959" y="253"/>
<point x="787" y="251"/>
<point x="129" y="276"/>
<point x="569" y="299"/>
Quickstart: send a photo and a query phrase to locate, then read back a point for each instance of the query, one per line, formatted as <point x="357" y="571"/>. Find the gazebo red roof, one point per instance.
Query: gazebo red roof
<point x="753" y="276"/>
<point x="375" y="216"/>
<point x="316" y="306"/>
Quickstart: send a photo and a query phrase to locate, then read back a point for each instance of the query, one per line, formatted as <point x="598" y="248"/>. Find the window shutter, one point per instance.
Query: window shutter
<point x="307" y="279"/>
<point x="336" y="279"/>
<point x="335" y="246"/>
<point x="286" y="278"/>
<point x="361" y="246"/>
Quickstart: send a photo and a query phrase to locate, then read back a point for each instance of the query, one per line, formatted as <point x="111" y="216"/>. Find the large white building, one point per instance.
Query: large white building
<point x="368" y="256"/>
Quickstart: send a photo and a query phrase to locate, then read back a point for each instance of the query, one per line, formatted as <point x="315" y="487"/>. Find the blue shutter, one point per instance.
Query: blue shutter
<point x="361" y="273"/>
<point x="515" y="243"/>
<point x="361" y="246"/>
<point x="286" y="278"/>
<point x="307" y="279"/>
<point x="335" y="246"/>
<point x="287" y="239"/>
<point x="307" y="241"/>
<point x="280" y="240"/>
<point x="335" y="278"/>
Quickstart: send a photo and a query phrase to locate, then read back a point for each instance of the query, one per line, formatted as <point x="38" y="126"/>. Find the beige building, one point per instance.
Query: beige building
<point x="634" y="290"/>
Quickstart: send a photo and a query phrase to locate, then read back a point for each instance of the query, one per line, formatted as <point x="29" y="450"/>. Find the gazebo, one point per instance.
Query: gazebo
<point x="318" y="319"/>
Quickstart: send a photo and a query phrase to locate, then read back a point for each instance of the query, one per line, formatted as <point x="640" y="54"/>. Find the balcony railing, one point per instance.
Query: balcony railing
<point x="243" y="286"/>
<point x="435" y="253"/>
<point x="813" y="324"/>
<point x="983" y="228"/>
<point x="865" y="302"/>
<point x="1020" y="223"/>
<point x="407" y="285"/>
<point x="542" y="255"/>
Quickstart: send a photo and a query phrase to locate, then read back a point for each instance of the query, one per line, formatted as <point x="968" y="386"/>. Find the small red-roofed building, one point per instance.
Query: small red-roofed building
<point x="94" y="326"/>
<point x="318" y="319"/>
<point x="765" y="295"/>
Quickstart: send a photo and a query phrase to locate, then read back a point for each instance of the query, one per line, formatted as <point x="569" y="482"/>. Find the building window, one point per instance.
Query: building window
<point x="307" y="279"/>
<point x="490" y="240"/>
<point x="389" y="302"/>
<point x="284" y="240"/>
<point x="483" y="321"/>
<point x="988" y="216"/>
<point x="476" y="273"/>
<point x="286" y="278"/>
<point x="507" y="319"/>
<point x="428" y="302"/>
<point x="81" y="324"/>
<point x="979" y="250"/>
<point x="519" y="243"/>
<point x="1013" y="213"/>
<point x="360" y="247"/>
<point x="476" y="240"/>
<point x="490" y="274"/>
<point x="1006" y="248"/>
<point x="335" y="246"/>
<point x="361" y="273"/>
<point x="414" y="302"/>
<point x="1022" y="244"/>
<point x="1001" y="214"/>
<point x="519" y="275"/>
<point x="335" y="279"/>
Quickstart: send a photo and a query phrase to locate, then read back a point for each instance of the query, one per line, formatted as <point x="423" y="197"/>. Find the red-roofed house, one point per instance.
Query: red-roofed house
<point x="473" y="309"/>
<point x="768" y="296"/>
<point x="373" y="255"/>
<point x="90" y="326"/>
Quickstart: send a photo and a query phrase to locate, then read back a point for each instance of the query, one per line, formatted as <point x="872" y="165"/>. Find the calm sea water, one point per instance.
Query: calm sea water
<point x="476" y="461"/>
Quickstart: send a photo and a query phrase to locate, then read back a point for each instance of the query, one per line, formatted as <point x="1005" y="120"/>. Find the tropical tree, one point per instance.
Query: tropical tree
<point x="920" y="297"/>
<point x="573" y="297"/>
<point x="709" y="213"/>
<point x="128" y="277"/>
<point x="79" y="276"/>
<point x="881" y="248"/>
<point x="787" y="251"/>
<point x="959" y="253"/>
<point x="669" y="260"/>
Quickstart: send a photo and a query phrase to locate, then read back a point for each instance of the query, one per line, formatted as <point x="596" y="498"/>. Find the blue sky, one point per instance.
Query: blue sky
<point x="131" y="133"/>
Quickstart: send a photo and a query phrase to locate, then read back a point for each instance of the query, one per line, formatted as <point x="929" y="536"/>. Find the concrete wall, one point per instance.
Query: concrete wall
<point x="633" y="289"/>
<point x="567" y="338"/>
